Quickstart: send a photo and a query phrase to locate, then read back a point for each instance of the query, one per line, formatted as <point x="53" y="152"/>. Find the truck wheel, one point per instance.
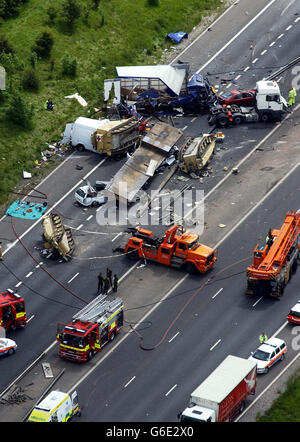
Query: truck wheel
<point x="238" y="120"/>
<point x="112" y="336"/>
<point x="222" y="122"/>
<point x="267" y="370"/>
<point x="294" y="266"/>
<point x="80" y="147"/>
<point x="242" y="407"/>
<point x="265" y="118"/>
<point x="190" y="268"/>
<point x="95" y="204"/>
<point x="132" y="254"/>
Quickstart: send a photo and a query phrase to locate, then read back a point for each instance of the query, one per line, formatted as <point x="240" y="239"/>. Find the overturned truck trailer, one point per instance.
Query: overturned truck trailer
<point x="141" y="166"/>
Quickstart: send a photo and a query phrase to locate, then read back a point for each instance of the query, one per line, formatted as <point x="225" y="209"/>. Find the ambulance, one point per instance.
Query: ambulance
<point x="56" y="407"/>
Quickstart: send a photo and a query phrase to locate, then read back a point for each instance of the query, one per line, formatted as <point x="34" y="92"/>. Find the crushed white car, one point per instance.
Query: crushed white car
<point x="88" y="196"/>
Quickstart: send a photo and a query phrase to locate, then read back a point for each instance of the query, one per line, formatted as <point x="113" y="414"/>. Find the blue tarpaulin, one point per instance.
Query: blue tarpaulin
<point x="177" y="36"/>
<point x="26" y="209"/>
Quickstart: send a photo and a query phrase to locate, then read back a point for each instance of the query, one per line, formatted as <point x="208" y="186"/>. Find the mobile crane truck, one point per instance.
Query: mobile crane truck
<point x="221" y="396"/>
<point x="91" y="329"/>
<point x="176" y="250"/>
<point x="275" y="260"/>
<point x="269" y="105"/>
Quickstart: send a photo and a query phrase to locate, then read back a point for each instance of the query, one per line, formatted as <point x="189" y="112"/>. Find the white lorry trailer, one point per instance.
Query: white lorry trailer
<point x="269" y="105"/>
<point x="110" y="137"/>
<point x="221" y="396"/>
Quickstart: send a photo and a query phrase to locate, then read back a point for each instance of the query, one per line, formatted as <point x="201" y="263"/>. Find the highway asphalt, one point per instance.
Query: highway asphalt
<point x="50" y="303"/>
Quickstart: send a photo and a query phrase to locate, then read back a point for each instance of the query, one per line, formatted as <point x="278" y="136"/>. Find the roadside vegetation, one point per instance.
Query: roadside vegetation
<point x="54" y="48"/>
<point x="286" y="407"/>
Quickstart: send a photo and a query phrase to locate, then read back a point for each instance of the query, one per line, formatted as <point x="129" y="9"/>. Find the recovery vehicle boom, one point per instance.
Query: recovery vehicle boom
<point x="275" y="261"/>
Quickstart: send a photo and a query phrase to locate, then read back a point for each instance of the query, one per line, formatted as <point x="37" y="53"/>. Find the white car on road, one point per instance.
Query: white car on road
<point x="7" y="346"/>
<point x="270" y="352"/>
<point x="88" y="196"/>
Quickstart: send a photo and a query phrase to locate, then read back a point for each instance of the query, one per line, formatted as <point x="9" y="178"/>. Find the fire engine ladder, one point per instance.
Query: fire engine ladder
<point x="282" y="244"/>
<point x="97" y="309"/>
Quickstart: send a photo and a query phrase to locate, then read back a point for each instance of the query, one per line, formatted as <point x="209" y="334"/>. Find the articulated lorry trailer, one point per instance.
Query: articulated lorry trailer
<point x="221" y="396"/>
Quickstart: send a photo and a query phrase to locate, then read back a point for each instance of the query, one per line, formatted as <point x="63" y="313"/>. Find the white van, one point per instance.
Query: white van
<point x="56" y="407"/>
<point x="79" y="133"/>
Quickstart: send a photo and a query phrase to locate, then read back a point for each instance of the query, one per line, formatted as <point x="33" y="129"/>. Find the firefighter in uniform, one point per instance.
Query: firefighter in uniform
<point x="115" y="283"/>
<point x="100" y="283"/>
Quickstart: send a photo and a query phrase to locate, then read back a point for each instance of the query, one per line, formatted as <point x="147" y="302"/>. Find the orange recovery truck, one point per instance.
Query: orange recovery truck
<point x="12" y="310"/>
<point x="91" y="329"/>
<point x="275" y="260"/>
<point x="180" y="250"/>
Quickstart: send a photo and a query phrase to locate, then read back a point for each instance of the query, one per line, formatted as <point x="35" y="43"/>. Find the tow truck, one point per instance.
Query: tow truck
<point x="275" y="261"/>
<point x="12" y="310"/>
<point x="269" y="105"/>
<point x="176" y="250"/>
<point x="91" y="329"/>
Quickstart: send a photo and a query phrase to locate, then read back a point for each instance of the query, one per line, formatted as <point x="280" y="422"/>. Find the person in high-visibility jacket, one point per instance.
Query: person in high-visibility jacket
<point x="292" y="96"/>
<point x="263" y="338"/>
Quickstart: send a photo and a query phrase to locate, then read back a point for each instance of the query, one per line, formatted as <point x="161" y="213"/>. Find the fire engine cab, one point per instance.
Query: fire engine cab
<point x="91" y="329"/>
<point x="12" y="310"/>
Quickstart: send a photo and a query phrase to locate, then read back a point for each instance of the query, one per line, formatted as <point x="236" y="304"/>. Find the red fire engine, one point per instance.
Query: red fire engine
<point x="12" y="310"/>
<point x="91" y="329"/>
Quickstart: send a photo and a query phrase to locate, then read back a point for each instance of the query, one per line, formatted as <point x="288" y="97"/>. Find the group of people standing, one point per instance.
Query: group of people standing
<point x="107" y="282"/>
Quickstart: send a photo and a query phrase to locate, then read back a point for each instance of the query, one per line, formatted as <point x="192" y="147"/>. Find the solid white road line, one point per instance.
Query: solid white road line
<point x="241" y="162"/>
<point x="115" y="237"/>
<point x="73" y="278"/>
<point x="217" y="293"/>
<point x="126" y="385"/>
<point x="174" y="337"/>
<point x="257" y="301"/>
<point x="237" y="35"/>
<point x="174" y="386"/>
<point x="218" y="342"/>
